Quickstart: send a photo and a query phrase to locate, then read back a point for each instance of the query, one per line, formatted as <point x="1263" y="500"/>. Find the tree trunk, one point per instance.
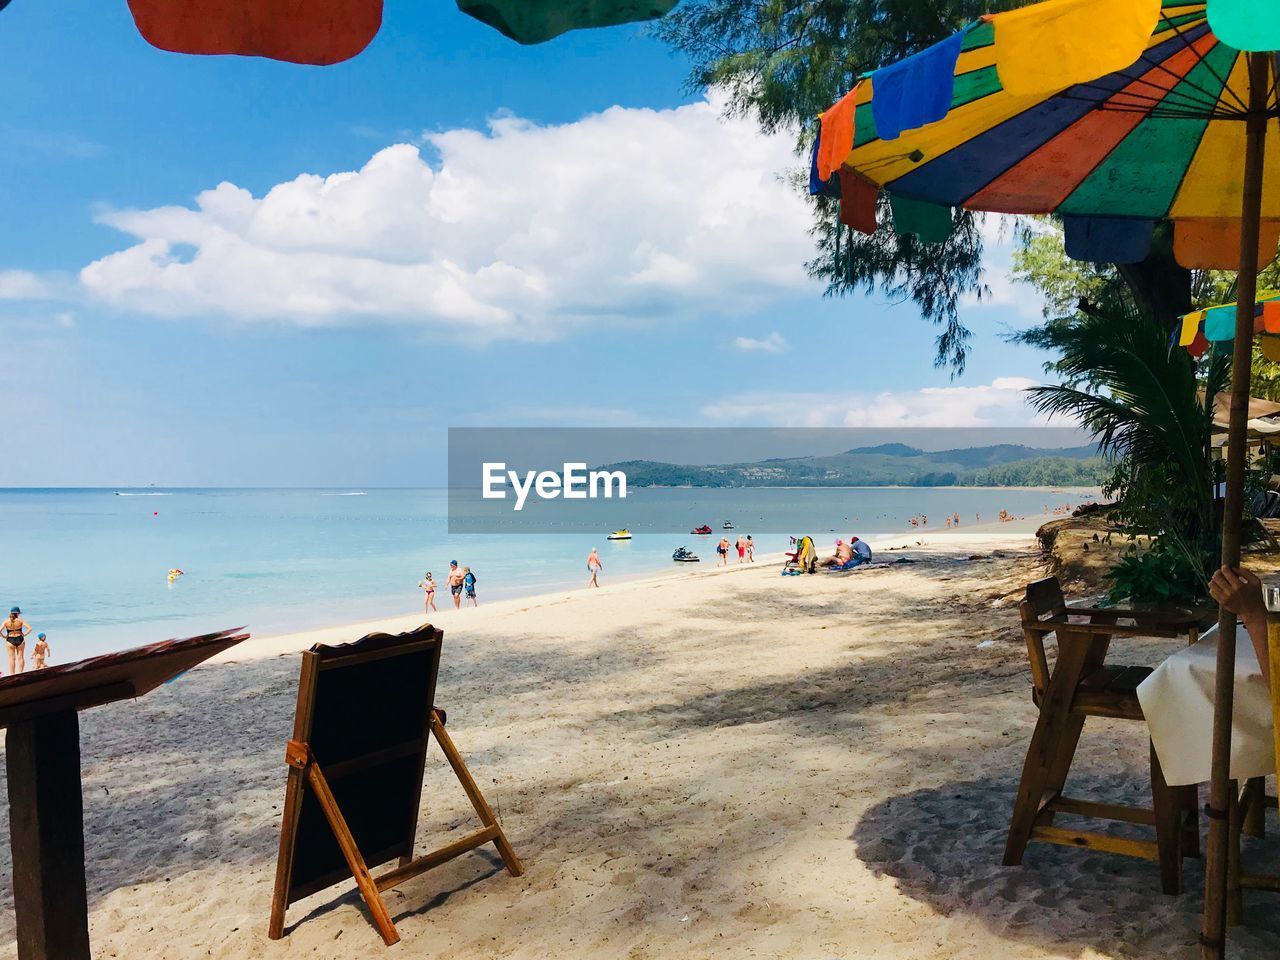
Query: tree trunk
<point x="1160" y="286"/>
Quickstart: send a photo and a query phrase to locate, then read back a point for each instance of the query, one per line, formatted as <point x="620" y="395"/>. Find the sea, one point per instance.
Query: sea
<point x="89" y="566"/>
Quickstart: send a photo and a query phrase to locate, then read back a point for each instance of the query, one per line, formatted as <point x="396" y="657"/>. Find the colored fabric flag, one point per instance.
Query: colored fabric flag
<point x="1107" y="239"/>
<point x="930" y="222"/>
<point x="858" y="200"/>
<point x="836" y="136"/>
<point x="915" y="91"/>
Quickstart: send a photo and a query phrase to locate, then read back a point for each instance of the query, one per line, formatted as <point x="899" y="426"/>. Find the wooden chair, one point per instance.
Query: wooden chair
<point x="1081" y="685"/>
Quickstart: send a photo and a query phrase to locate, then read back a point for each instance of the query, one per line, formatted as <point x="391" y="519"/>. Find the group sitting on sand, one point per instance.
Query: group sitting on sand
<point x="848" y="555"/>
<point x="16" y="631"/>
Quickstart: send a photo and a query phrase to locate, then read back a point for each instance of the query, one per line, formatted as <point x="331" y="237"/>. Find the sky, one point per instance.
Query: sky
<point x="224" y="271"/>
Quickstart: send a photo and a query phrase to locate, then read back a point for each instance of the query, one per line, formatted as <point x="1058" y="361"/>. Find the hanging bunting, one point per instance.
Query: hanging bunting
<point x="858" y="200"/>
<point x="818" y="185"/>
<point x="836" y="136"/>
<point x="930" y="222"/>
<point x="1047" y="47"/>
<point x="316" y="32"/>
<point x="537" y="21"/>
<point x="915" y="91"/>
<point x="1107" y="239"/>
<point x="1215" y="244"/>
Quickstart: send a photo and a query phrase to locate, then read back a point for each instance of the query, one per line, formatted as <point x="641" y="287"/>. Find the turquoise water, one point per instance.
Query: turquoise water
<point x="89" y="566"/>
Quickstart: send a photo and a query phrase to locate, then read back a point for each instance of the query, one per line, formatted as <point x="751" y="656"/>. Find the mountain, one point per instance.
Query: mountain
<point x="889" y="464"/>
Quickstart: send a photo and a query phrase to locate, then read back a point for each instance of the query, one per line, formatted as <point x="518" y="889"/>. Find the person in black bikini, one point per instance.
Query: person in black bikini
<point x="15" y="632"/>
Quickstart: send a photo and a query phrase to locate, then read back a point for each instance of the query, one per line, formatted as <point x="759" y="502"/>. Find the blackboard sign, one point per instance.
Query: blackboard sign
<point x="364" y="718"/>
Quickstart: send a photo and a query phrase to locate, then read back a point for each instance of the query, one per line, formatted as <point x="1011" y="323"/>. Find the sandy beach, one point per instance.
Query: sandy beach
<point x="697" y="764"/>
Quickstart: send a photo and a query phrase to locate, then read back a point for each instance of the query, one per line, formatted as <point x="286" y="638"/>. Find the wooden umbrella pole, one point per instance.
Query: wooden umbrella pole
<point x="1213" y="933"/>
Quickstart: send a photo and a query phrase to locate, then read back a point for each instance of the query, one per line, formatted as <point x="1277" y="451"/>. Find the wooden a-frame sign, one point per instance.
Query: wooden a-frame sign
<point x="365" y="717"/>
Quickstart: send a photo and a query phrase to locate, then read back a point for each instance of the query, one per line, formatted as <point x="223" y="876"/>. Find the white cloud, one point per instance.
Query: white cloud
<point x="773" y="343"/>
<point x="521" y="231"/>
<point x="1000" y="403"/>
<point x="22" y="285"/>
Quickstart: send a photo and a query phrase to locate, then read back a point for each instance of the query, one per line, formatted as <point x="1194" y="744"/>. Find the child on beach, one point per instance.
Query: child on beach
<point x="469" y="582"/>
<point x="41" y="651"/>
<point x="428" y="585"/>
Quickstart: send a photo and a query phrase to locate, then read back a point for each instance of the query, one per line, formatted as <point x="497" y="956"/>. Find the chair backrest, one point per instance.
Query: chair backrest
<point x="1043" y="605"/>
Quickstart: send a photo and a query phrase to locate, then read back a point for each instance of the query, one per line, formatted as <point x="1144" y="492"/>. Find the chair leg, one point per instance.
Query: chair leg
<point x="1165" y="801"/>
<point x="1189" y="800"/>
<point x="1053" y="744"/>
<point x="1254" y="808"/>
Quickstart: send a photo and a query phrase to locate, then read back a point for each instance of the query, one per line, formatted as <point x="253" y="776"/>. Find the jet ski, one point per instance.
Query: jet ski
<point x="701" y="531"/>
<point x="682" y="555"/>
<point x="726" y="525"/>
<point x="623" y="534"/>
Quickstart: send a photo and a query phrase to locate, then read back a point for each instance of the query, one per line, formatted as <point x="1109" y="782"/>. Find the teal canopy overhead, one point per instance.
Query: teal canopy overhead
<point x="537" y="21"/>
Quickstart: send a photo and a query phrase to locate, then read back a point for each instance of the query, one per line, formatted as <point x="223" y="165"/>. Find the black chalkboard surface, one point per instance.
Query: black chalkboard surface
<point x="364" y="718"/>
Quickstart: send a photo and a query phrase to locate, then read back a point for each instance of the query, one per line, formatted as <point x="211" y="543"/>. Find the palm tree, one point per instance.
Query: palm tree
<point x="1129" y="384"/>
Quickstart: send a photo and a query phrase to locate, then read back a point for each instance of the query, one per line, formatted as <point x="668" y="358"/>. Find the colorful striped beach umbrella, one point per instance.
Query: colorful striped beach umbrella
<point x="1113" y="114"/>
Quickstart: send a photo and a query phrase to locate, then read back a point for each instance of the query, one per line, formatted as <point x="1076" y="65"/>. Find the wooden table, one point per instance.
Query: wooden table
<point x="46" y="808"/>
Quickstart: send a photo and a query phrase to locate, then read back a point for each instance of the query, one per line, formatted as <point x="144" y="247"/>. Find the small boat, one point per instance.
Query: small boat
<point x="701" y="531"/>
<point x="623" y="534"/>
<point x="682" y="555"/>
<point x="726" y="525"/>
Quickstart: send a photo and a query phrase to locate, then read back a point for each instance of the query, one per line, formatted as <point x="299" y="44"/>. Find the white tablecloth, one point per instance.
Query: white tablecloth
<point x="1178" y="702"/>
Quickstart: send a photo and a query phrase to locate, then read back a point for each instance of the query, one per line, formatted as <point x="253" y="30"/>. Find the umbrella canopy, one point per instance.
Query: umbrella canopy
<point x="322" y="32"/>
<point x="1111" y="113"/>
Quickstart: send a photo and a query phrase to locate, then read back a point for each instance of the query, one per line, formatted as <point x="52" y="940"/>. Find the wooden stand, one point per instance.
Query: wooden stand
<point x="40" y="710"/>
<point x="303" y="769"/>
<point x="365" y="709"/>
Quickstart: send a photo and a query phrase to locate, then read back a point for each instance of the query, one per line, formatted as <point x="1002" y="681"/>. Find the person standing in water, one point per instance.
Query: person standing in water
<point x="594" y="566"/>
<point x="15" y="633"/>
<point x="429" y="585"/>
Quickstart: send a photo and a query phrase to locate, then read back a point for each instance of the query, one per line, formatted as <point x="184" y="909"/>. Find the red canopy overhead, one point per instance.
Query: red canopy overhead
<point x="300" y="31"/>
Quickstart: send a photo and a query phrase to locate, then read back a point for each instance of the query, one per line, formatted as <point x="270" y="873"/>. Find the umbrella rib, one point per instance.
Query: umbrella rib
<point x="1181" y="35"/>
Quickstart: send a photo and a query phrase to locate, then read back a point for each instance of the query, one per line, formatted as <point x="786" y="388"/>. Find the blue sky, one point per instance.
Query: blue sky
<point x="549" y="280"/>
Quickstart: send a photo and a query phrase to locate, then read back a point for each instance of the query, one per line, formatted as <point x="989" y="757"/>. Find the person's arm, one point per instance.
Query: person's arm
<point x="1241" y="592"/>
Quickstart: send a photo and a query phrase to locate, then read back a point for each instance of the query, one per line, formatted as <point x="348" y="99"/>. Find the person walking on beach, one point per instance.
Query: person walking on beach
<point x="455" y="584"/>
<point x="751" y="550"/>
<point x="40" y="652"/>
<point x="741" y="544"/>
<point x="594" y="566"/>
<point x="429" y="585"/>
<point x="722" y="548"/>
<point x="15" y="632"/>
<point x="469" y="581"/>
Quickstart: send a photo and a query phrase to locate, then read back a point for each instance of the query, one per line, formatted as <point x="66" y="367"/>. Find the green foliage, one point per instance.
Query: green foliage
<point x="784" y="62"/>
<point x="1138" y="398"/>
<point x="1158" y="575"/>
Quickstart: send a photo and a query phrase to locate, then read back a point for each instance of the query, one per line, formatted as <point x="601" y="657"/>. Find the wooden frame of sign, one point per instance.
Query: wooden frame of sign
<point x="364" y="719"/>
